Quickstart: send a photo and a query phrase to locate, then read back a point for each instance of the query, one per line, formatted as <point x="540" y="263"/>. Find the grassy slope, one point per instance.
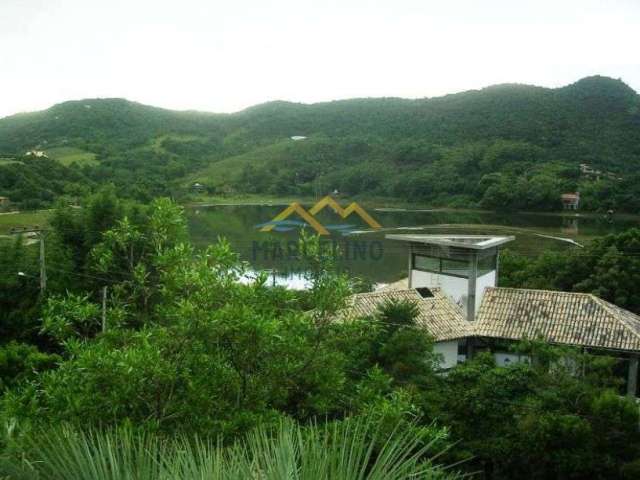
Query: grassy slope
<point x="69" y="155"/>
<point x="155" y="144"/>
<point x="221" y="172"/>
<point x="22" y="219"/>
<point x="8" y="161"/>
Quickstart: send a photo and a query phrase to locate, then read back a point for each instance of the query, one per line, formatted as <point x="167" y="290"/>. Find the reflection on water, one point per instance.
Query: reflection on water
<point x="293" y="280"/>
<point x="367" y="254"/>
<point x="570" y="226"/>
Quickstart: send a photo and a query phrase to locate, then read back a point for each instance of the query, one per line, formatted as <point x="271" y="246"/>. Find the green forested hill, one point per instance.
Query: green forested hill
<point x="506" y="146"/>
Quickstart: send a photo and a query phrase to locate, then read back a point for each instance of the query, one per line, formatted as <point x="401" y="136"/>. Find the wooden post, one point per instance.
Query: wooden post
<point x="471" y="287"/>
<point x="104" y="309"/>
<point x="40" y="233"/>
<point x="632" y="376"/>
<point x="43" y="268"/>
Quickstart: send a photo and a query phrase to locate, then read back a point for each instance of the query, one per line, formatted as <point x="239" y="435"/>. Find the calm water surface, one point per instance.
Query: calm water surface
<point x="367" y="254"/>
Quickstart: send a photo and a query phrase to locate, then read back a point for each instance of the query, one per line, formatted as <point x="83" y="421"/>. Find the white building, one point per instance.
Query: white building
<point x="36" y="153"/>
<point x="437" y="314"/>
<point x="453" y="280"/>
<point x="462" y="265"/>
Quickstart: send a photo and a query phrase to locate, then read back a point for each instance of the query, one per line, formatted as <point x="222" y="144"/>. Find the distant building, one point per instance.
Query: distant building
<point x="587" y="171"/>
<point x="36" y="153"/>
<point x="298" y="137"/>
<point x="198" y="187"/>
<point x="4" y="202"/>
<point x="570" y="201"/>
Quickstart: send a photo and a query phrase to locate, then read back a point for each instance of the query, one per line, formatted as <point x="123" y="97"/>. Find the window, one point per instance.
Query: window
<point x="446" y="266"/>
<point x="455" y="267"/>
<point x="486" y="265"/>
<point x="424" y="292"/>
<point x="428" y="264"/>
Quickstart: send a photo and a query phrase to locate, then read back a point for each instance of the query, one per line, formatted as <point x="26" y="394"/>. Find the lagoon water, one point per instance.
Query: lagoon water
<point x="366" y="253"/>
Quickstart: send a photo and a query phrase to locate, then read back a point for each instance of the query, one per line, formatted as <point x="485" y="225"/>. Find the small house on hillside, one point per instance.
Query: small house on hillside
<point x="36" y="153"/>
<point x="4" y="202"/>
<point x="198" y="187"/>
<point x="570" y="201"/>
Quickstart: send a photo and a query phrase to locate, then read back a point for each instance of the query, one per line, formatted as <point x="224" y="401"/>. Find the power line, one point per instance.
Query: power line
<point x="84" y="275"/>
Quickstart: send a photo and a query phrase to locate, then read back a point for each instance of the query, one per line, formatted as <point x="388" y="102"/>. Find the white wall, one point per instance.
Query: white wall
<point x="486" y="280"/>
<point x="454" y="287"/>
<point x="449" y="353"/>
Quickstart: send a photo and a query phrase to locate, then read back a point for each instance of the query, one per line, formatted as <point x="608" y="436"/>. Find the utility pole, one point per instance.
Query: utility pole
<point x="40" y="234"/>
<point x="104" y="309"/>
<point x="43" y="266"/>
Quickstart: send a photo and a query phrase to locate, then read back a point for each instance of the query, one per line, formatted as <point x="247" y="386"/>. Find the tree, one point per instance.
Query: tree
<point x="544" y="419"/>
<point x="188" y="346"/>
<point x="609" y="267"/>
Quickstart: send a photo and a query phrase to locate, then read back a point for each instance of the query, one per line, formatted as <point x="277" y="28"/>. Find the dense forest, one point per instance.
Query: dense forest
<point x="147" y="355"/>
<point x="502" y="147"/>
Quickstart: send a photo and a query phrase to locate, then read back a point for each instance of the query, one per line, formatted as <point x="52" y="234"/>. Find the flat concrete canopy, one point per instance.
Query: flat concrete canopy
<point x="474" y="242"/>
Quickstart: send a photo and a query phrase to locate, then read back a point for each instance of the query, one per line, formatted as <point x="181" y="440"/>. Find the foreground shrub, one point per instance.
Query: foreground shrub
<point x="349" y="450"/>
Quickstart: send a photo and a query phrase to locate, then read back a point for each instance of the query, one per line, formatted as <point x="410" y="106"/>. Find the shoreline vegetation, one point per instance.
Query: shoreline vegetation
<point x="384" y="204"/>
<point x="388" y="204"/>
<point x="11" y="219"/>
<point x="506" y="147"/>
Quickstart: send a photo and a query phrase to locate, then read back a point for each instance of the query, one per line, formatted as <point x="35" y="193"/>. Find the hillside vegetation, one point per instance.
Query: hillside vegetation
<point x="505" y="146"/>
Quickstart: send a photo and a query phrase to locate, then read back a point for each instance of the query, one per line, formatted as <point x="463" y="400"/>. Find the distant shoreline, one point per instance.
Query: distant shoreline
<point x="14" y="218"/>
<point x="386" y="204"/>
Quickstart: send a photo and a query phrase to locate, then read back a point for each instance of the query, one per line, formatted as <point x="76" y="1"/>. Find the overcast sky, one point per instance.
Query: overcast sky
<point x="223" y="56"/>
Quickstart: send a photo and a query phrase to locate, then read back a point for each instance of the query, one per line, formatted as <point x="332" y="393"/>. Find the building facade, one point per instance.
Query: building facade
<point x="453" y="281"/>
<point x="570" y="201"/>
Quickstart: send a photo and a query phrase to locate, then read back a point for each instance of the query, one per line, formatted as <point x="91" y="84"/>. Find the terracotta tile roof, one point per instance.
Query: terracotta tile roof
<point x="570" y="196"/>
<point x="559" y="317"/>
<point x="438" y="315"/>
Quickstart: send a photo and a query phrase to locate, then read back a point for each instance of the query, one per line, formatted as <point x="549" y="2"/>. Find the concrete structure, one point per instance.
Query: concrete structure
<point x="452" y="280"/>
<point x="462" y="265"/>
<point x="4" y="202"/>
<point x="587" y="171"/>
